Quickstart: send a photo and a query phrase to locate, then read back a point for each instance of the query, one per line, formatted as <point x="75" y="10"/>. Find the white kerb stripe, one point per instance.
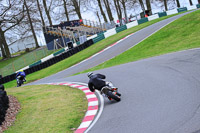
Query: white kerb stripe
<point x="90" y="96"/>
<point x="84" y="87"/>
<point x="91" y="112"/>
<point x="66" y="84"/>
<point x="84" y="124"/>
<point x="85" y="91"/>
<point x="93" y="103"/>
<point x="74" y="86"/>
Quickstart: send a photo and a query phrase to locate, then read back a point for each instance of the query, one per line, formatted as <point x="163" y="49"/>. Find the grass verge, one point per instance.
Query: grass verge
<point x="13" y="64"/>
<point x="181" y="34"/>
<point x="85" y="53"/>
<point x="48" y="109"/>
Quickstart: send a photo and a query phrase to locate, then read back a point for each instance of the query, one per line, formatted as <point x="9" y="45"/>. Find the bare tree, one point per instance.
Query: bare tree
<point x="199" y="1"/>
<point x="118" y="9"/>
<point x="10" y="16"/>
<point x="102" y="12"/>
<point x="124" y="7"/>
<point x="47" y="11"/>
<point x="40" y="11"/>
<point x="178" y="3"/>
<point x="66" y="11"/>
<point x="97" y="13"/>
<point x="191" y="2"/>
<point x="165" y="3"/>
<point x="107" y="5"/>
<point x="31" y="25"/>
<point x="148" y="3"/>
<point x="142" y="5"/>
<point x="76" y="4"/>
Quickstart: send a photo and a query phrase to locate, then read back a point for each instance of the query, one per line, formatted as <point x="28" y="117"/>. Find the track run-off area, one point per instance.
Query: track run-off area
<point x="159" y="94"/>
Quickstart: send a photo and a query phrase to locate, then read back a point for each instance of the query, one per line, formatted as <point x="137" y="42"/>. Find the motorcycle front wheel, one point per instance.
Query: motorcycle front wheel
<point x="19" y="83"/>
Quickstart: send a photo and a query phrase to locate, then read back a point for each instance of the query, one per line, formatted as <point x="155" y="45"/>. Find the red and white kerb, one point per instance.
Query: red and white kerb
<point x="92" y="105"/>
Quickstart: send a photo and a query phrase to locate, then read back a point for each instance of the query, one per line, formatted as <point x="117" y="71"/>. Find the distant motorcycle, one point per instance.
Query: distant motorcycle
<point x="20" y="80"/>
<point x="111" y="92"/>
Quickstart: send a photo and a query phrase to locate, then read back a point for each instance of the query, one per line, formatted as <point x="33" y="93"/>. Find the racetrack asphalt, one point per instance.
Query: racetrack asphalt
<point x="159" y="94"/>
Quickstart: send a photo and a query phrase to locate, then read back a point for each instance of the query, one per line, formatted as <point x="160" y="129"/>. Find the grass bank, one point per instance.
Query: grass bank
<point x="85" y="53"/>
<point x="180" y="35"/>
<point x="13" y="64"/>
<point x="48" y="109"/>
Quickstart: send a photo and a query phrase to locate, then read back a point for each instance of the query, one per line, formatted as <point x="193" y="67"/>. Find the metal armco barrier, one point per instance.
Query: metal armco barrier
<point x="99" y="38"/>
<point x="143" y="20"/>
<point x="162" y="14"/>
<point x="182" y="9"/>
<point x="121" y="28"/>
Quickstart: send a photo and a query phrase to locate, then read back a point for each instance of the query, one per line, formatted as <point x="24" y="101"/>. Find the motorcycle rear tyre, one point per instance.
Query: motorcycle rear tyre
<point x="110" y="94"/>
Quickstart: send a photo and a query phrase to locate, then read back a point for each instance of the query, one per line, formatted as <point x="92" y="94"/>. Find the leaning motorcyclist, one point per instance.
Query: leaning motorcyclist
<point x="96" y="81"/>
<point x="21" y="76"/>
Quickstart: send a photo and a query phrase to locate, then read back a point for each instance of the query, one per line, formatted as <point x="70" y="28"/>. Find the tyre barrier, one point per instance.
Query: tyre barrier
<point x="4" y="103"/>
<point x="41" y="65"/>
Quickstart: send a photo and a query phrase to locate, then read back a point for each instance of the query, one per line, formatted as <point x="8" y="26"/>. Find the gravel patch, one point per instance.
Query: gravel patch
<point x="14" y="107"/>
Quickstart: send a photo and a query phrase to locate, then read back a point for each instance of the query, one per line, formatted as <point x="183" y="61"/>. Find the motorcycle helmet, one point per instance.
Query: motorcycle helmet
<point x="89" y="74"/>
<point x="21" y="70"/>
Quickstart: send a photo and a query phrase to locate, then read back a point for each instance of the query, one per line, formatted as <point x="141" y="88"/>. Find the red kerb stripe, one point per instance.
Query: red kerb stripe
<point x="92" y="99"/>
<point x="93" y="107"/>
<point x="80" y="130"/>
<point x="62" y="83"/>
<point x="79" y="86"/>
<point x="85" y="89"/>
<point x="88" y="118"/>
<point x="71" y="84"/>
<point x="89" y="93"/>
<point x="113" y="44"/>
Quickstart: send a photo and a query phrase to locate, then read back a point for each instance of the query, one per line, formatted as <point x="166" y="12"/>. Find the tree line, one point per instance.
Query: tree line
<point x="21" y="18"/>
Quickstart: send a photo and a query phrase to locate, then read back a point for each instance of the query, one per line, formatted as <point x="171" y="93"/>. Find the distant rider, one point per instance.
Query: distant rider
<point x="21" y="76"/>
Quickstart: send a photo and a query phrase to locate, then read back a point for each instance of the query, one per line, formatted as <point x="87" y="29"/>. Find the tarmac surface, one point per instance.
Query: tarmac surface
<point x="159" y="94"/>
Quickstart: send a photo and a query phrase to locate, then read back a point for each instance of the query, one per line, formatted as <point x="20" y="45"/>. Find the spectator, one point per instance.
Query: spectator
<point x="61" y="25"/>
<point x="72" y="24"/>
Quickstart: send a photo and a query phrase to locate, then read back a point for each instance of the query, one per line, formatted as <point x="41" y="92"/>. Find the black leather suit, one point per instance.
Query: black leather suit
<point x="96" y="82"/>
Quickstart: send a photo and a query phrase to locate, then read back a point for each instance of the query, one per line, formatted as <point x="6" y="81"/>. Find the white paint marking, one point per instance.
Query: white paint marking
<point x="84" y="124"/>
<point x="91" y="112"/>
<point x="93" y="103"/>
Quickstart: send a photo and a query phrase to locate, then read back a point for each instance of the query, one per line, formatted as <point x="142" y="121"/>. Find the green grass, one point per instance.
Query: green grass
<point x="85" y="53"/>
<point x="48" y="109"/>
<point x="180" y="35"/>
<point x="11" y="65"/>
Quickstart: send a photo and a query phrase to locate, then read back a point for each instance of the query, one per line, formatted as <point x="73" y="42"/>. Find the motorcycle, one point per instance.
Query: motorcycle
<point x="20" y="81"/>
<point x="111" y="92"/>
